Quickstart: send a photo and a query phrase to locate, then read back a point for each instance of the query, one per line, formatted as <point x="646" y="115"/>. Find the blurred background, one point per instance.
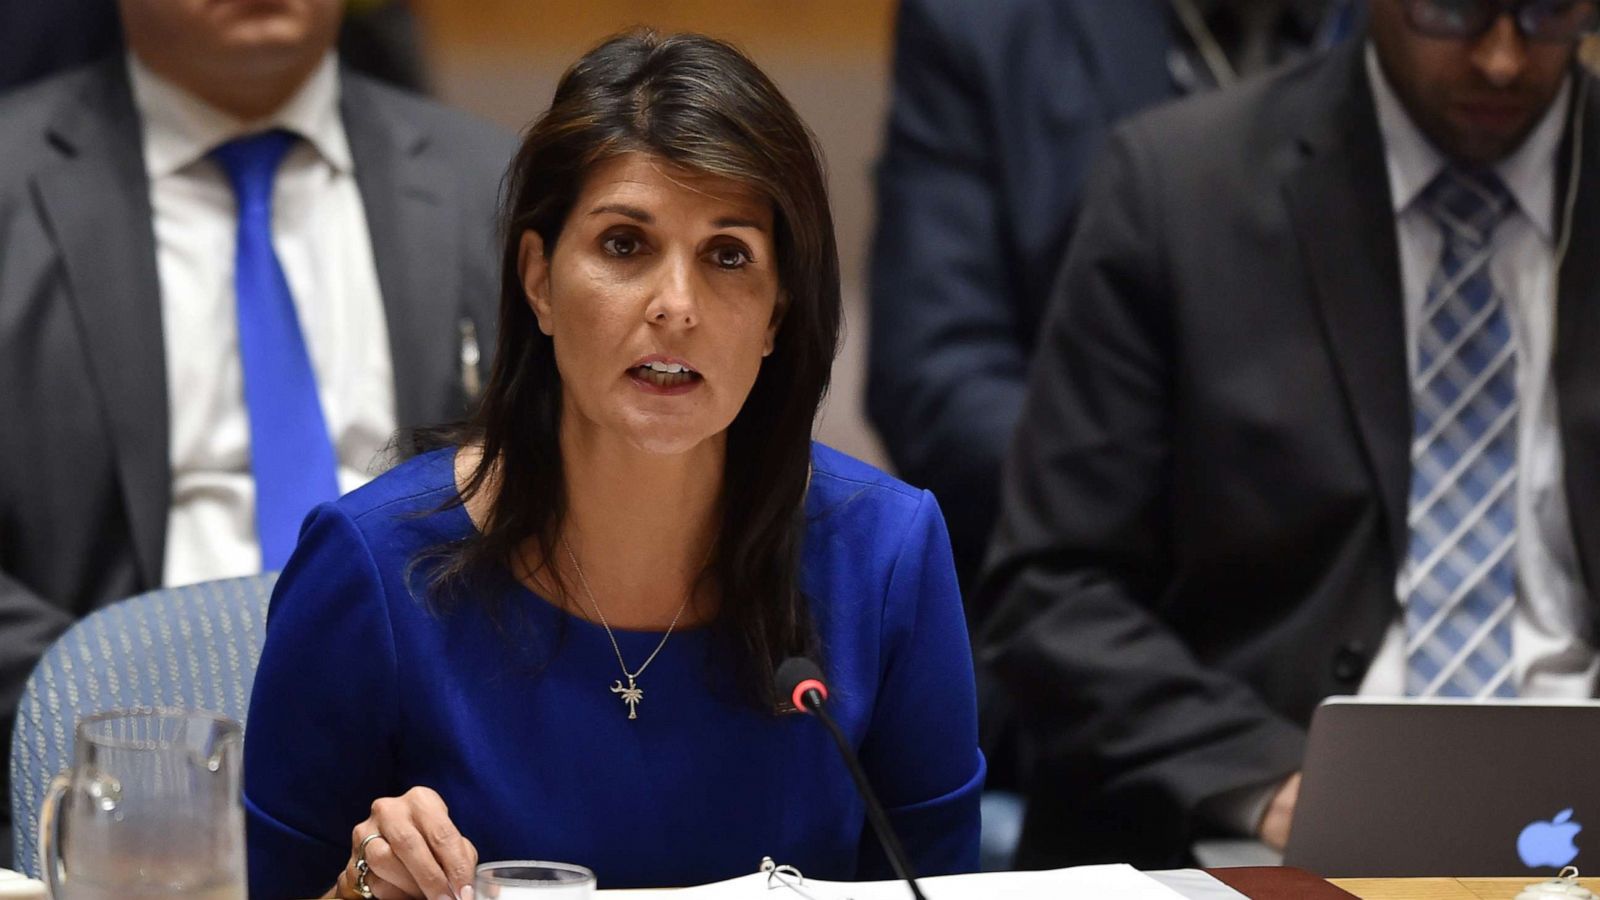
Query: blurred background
<point x="501" y="59"/>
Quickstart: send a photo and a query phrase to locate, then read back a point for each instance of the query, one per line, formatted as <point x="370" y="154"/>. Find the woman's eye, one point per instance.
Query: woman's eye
<point x="730" y="257"/>
<point x="620" y="245"/>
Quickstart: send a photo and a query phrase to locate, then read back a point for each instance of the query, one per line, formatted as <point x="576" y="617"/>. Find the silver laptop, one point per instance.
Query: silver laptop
<point x="1441" y="788"/>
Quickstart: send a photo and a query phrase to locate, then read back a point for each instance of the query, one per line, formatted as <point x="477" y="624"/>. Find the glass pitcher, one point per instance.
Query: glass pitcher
<point x="150" y="808"/>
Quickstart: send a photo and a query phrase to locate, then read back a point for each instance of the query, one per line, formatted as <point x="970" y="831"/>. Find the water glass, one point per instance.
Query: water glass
<point x="531" y="879"/>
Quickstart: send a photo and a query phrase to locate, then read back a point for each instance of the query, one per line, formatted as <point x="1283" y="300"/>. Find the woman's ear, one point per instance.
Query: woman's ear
<point x="535" y="270"/>
<point x="778" y="309"/>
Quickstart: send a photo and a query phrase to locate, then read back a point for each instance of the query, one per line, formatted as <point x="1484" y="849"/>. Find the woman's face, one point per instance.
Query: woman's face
<point x="661" y="297"/>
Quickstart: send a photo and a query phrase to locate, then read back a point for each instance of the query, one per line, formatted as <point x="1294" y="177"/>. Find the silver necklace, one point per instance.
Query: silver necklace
<point x="631" y="694"/>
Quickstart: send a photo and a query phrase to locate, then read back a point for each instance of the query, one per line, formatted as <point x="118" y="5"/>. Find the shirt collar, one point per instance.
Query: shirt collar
<point x="180" y="128"/>
<point x="1413" y="161"/>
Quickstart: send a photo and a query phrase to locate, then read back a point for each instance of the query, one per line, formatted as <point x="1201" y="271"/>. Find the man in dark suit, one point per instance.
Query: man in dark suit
<point x="998" y="109"/>
<point x="1314" y="413"/>
<point x="136" y="428"/>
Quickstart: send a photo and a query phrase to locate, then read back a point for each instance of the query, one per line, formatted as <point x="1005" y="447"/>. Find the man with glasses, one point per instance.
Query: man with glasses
<point x="1315" y="412"/>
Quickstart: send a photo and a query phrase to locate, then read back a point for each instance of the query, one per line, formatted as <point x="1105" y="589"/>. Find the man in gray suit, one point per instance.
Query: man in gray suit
<point x="148" y="381"/>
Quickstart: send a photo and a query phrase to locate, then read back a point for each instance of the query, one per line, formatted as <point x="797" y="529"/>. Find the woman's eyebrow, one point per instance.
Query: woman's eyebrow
<point x="632" y="212"/>
<point x="640" y="215"/>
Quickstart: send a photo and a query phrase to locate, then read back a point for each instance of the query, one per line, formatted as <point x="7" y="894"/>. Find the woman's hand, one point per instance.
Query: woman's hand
<point x="418" y="853"/>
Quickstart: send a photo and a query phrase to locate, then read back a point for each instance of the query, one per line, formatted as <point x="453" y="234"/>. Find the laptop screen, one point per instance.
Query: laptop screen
<point x="1440" y="788"/>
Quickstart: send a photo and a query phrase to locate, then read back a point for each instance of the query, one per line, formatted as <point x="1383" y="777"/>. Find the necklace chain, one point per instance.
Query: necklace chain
<point x="631" y="676"/>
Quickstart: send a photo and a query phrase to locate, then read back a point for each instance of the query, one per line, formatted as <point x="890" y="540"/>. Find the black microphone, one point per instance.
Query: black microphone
<point x="800" y="680"/>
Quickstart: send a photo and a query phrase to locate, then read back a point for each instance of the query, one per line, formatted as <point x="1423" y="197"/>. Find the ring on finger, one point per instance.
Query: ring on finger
<point x="362" y="867"/>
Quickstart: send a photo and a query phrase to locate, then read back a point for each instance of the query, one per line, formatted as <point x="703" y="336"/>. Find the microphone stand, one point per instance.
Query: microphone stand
<point x="875" y="813"/>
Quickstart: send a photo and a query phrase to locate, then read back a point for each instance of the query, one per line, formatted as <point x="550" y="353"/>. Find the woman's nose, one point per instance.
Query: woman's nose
<point x="673" y="302"/>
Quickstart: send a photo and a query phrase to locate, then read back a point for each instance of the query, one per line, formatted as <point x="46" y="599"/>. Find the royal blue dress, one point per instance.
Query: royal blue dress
<point x="364" y="691"/>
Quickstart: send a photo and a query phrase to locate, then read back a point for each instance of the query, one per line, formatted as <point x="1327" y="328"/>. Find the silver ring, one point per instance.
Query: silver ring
<point x="361" y="866"/>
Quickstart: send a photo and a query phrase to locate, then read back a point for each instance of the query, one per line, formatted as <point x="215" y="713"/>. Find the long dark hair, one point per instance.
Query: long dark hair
<point x="700" y="104"/>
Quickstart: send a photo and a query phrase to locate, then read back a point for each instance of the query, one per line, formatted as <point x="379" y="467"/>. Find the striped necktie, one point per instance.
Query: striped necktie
<point x="291" y="455"/>
<point x="1459" y="583"/>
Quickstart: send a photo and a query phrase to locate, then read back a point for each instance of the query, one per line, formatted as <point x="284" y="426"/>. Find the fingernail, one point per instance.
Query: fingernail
<point x="466" y="892"/>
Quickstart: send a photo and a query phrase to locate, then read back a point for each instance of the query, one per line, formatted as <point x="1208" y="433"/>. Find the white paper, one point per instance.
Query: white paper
<point x="1195" y="884"/>
<point x="1116" y="882"/>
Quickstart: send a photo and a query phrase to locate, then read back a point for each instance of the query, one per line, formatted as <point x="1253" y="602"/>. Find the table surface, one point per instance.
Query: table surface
<point x="1443" y="888"/>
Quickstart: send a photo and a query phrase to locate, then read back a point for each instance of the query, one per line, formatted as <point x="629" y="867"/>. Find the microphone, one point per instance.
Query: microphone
<point x="800" y="680"/>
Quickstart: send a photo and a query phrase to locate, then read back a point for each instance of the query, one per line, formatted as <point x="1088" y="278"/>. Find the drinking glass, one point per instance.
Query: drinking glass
<point x="150" y="808"/>
<point x="532" y="879"/>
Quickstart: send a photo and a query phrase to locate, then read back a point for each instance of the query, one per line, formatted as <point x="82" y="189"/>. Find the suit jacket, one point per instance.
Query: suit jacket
<point x="1204" y="511"/>
<point x="997" y="112"/>
<point x="84" y="462"/>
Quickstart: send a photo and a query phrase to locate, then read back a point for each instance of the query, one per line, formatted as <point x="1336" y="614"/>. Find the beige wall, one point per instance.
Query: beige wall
<point x="501" y="59"/>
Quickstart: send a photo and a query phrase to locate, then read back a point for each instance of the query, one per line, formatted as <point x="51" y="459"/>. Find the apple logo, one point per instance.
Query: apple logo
<point x="1549" y="843"/>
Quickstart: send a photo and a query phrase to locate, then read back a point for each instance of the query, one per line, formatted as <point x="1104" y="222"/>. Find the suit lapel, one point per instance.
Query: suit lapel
<point x="413" y="229"/>
<point x="97" y="202"/>
<point x="1339" y="203"/>
<point x="1576" y="365"/>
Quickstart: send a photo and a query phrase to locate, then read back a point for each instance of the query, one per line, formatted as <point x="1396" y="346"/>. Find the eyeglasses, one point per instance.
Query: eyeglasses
<point x="1537" y="20"/>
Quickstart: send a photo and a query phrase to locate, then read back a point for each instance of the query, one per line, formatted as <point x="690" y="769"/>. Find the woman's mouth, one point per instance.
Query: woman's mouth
<point x="667" y="377"/>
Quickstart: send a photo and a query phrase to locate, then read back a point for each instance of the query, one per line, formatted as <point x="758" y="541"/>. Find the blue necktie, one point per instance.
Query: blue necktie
<point x="291" y="455"/>
<point x="1460" y="581"/>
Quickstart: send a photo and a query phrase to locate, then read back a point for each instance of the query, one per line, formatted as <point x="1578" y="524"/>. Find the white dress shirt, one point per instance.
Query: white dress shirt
<point x="1550" y="655"/>
<point x="320" y="234"/>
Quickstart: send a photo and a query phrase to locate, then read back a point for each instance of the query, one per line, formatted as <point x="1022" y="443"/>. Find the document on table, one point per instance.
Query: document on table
<point x="1115" y="882"/>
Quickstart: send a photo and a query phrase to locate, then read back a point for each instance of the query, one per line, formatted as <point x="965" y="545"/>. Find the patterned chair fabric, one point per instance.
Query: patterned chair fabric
<point x="191" y="647"/>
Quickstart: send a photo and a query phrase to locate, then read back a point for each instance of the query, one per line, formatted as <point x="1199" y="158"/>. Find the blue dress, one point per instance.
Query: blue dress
<point x="363" y="692"/>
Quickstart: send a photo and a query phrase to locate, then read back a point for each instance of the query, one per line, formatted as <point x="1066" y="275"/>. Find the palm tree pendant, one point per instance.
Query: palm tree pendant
<point x="630" y="695"/>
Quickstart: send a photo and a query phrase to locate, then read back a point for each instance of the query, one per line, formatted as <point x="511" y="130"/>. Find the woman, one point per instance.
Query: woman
<point x="555" y="638"/>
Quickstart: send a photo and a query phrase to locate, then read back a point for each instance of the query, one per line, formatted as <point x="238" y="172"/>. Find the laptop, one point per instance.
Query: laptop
<point x="1395" y="788"/>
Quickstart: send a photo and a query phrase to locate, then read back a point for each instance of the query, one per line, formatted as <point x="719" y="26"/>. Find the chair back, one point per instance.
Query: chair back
<point x="192" y="647"/>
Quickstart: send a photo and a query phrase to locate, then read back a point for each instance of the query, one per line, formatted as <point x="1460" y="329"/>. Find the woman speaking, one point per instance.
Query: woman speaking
<point x="554" y="635"/>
